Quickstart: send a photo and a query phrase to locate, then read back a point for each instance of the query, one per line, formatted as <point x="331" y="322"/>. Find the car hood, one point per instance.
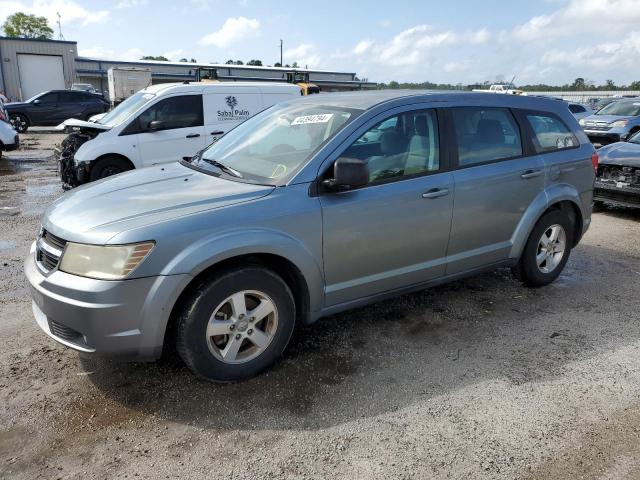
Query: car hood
<point x="97" y="212"/>
<point x="607" y="118"/>
<point x="620" y="153"/>
<point x="74" y="122"/>
<point x="15" y="105"/>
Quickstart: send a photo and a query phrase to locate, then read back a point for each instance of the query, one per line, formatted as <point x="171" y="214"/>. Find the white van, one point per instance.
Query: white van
<point x="162" y="123"/>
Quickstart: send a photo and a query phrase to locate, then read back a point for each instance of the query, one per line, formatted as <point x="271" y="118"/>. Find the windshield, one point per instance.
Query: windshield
<point x="621" y="108"/>
<point x="270" y="147"/>
<point x="126" y="109"/>
<point x="635" y="138"/>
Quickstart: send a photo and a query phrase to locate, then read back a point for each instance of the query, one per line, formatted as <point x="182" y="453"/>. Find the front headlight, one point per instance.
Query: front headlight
<point x="108" y="262"/>
<point x="619" y="123"/>
<point x="581" y="122"/>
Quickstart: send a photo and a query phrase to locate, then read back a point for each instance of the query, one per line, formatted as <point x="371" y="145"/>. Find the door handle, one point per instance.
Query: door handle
<point x="435" y="193"/>
<point x="218" y="132"/>
<point x="531" y="174"/>
<point x="193" y="135"/>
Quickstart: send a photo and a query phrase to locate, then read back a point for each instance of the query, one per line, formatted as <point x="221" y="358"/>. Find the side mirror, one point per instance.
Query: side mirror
<point x="36" y="102"/>
<point x="348" y="173"/>
<point x="155" y="125"/>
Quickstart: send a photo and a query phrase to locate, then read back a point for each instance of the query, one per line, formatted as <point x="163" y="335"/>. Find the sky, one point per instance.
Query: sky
<point x="543" y="41"/>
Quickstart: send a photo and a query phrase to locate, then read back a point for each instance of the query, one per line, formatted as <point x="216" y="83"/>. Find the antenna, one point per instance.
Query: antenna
<point x="60" y="35"/>
<point x="281" y="53"/>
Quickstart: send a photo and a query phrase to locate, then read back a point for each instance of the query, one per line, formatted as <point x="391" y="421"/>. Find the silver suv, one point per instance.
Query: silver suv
<point x="313" y="206"/>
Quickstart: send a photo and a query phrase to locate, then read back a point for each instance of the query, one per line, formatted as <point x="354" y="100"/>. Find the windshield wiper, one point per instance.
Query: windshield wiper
<point x="221" y="166"/>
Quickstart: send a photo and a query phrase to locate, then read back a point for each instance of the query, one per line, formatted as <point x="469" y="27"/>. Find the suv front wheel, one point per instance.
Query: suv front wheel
<point x="547" y="250"/>
<point x="236" y="324"/>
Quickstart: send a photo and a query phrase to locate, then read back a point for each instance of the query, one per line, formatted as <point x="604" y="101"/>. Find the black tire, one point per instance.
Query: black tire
<point x="108" y="166"/>
<point x="19" y="122"/>
<point x="528" y="270"/>
<point x="193" y="344"/>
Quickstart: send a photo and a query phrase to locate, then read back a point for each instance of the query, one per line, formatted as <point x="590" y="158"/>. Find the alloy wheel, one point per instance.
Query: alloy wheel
<point x="551" y="248"/>
<point x="242" y="326"/>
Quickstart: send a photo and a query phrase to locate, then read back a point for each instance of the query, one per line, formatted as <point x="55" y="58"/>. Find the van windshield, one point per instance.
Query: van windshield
<point x="272" y="146"/>
<point x="127" y="108"/>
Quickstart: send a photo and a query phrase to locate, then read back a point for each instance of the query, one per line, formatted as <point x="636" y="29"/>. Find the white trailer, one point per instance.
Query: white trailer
<point x="125" y="81"/>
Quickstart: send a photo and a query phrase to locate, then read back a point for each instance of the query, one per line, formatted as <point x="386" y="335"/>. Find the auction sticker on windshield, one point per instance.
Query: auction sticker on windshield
<point x="320" y="118"/>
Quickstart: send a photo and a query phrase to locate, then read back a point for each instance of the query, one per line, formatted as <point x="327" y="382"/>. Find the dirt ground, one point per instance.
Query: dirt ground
<point x="481" y="378"/>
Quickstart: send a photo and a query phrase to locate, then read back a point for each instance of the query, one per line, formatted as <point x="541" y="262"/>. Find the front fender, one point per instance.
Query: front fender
<point x="92" y="149"/>
<point x="213" y="249"/>
<point x="553" y="194"/>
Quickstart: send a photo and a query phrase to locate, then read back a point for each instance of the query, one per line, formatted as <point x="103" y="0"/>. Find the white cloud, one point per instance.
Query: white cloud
<point x="174" y="55"/>
<point x="71" y="12"/>
<point x="96" y="52"/>
<point x="233" y="30"/>
<point x="385" y="23"/>
<point x="362" y="47"/>
<point x="131" y="3"/>
<point x="305" y="55"/>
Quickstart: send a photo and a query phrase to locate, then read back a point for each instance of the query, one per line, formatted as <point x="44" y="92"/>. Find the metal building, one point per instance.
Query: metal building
<point x="29" y="67"/>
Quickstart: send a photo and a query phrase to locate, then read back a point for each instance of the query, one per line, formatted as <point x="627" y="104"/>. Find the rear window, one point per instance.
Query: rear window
<point x="550" y="133"/>
<point x="485" y="135"/>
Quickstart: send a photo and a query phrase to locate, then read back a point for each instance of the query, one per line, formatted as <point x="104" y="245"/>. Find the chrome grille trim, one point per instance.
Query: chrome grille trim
<point x="49" y="249"/>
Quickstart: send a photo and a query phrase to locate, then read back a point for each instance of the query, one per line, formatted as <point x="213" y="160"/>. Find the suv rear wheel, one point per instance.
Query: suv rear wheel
<point x="236" y="324"/>
<point x="547" y="250"/>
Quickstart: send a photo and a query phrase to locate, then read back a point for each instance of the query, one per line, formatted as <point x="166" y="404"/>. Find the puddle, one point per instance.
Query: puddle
<point x="45" y="190"/>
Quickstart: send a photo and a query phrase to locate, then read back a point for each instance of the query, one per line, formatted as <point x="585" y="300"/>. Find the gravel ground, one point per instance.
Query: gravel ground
<point x="481" y="378"/>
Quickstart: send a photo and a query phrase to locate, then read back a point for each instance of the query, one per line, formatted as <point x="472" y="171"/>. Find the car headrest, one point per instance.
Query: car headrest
<point x="421" y="127"/>
<point x="390" y="142"/>
<point x="490" y="131"/>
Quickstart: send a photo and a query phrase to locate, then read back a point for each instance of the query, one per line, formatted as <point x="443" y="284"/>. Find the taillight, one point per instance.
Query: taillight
<point x="594" y="161"/>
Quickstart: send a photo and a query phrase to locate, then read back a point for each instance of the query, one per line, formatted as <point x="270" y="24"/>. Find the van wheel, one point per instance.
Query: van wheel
<point x="236" y="324"/>
<point x="19" y="122"/>
<point x="107" y="166"/>
<point x="547" y="250"/>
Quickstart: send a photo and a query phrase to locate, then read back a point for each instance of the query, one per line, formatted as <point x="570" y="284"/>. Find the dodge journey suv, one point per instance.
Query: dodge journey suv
<point x="311" y="207"/>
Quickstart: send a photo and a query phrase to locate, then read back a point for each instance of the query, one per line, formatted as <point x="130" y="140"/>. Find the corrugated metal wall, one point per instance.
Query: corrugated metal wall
<point x="11" y="47"/>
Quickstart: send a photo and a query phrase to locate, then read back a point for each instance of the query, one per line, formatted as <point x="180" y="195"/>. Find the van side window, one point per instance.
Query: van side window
<point x="550" y="133"/>
<point x="402" y="145"/>
<point x="182" y="111"/>
<point x="485" y="135"/>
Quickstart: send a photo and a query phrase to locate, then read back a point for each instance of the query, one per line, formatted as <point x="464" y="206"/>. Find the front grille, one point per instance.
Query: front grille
<point x="52" y="240"/>
<point x="61" y="331"/>
<point x="600" y="127"/>
<point x="48" y="251"/>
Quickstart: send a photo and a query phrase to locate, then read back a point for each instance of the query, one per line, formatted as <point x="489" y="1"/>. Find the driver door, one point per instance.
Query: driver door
<point x="181" y="135"/>
<point x="393" y="232"/>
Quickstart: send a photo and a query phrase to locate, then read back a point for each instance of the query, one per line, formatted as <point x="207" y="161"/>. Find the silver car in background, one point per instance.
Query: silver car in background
<point x="312" y="207"/>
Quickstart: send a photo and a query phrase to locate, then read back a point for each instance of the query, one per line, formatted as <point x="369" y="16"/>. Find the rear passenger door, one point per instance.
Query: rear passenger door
<point x="182" y="134"/>
<point x="70" y="105"/>
<point x="496" y="178"/>
<point x="393" y="232"/>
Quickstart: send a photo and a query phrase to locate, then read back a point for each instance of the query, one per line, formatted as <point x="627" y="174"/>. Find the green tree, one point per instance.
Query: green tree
<point x="27" y="26"/>
<point x="277" y="64"/>
<point x="193" y="60"/>
<point x="610" y="85"/>
<point x="295" y="65"/>
<point x="160" y="58"/>
<point x="256" y="63"/>
<point x="184" y="60"/>
<point x="578" y="84"/>
<point x="634" y="85"/>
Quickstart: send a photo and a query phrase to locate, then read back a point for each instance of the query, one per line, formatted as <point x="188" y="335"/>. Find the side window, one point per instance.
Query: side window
<point x="550" y="133"/>
<point x="573" y="108"/>
<point x="485" y="135"/>
<point x="182" y="111"/>
<point x="69" y="97"/>
<point x="402" y="145"/>
<point x="49" y="98"/>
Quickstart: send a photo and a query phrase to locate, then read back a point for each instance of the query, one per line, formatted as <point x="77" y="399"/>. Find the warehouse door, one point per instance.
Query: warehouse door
<point x="39" y="73"/>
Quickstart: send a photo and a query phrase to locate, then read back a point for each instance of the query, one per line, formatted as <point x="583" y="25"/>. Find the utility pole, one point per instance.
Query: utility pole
<point x="281" y="64"/>
<point x="60" y="36"/>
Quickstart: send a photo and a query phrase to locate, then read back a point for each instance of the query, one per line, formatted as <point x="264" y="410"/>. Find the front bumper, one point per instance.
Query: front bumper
<point x="125" y="319"/>
<point x="8" y="146"/>
<point x="604" y="137"/>
<point x="623" y="195"/>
